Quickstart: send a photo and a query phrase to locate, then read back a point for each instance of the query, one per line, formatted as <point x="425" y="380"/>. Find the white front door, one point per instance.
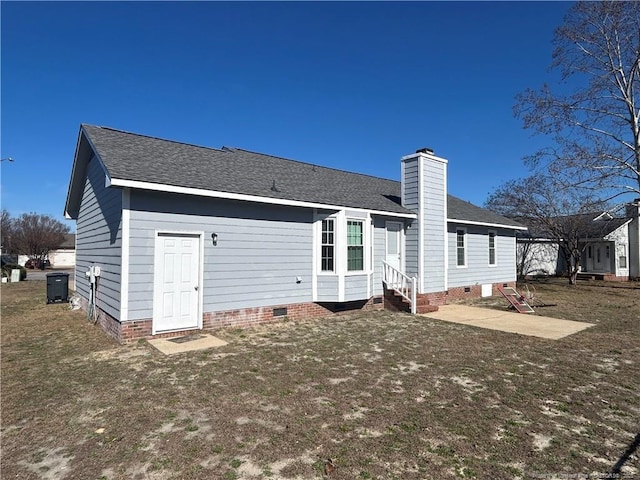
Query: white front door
<point x="176" y="282"/>
<point x="394" y="244"/>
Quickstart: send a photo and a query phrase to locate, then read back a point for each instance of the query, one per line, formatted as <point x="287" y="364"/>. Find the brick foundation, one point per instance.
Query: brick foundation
<point x="428" y="302"/>
<point x="131" y="331"/>
<point x="609" y="277"/>
<point x="463" y="293"/>
<point x="127" y="332"/>
<point x="106" y="321"/>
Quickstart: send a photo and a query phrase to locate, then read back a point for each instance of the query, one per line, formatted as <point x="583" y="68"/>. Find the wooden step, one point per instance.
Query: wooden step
<point x="516" y="300"/>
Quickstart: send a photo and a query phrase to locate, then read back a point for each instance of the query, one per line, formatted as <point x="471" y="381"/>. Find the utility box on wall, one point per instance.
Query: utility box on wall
<point x="57" y="287"/>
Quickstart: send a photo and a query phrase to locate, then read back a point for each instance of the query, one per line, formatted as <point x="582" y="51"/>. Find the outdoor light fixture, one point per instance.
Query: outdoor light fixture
<point x="214" y="239"/>
<point x="6" y="158"/>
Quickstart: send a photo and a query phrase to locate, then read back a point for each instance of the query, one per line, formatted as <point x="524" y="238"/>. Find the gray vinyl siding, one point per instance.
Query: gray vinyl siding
<point x="410" y="200"/>
<point x="477" y="270"/>
<point x="327" y="288"/>
<point x="410" y="183"/>
<point x="411" y="254"/>
<point x="355" y="287"/>
<point x="433" y="226"/>
<point x="99" y="239"/>
<point x="261" y="250"/>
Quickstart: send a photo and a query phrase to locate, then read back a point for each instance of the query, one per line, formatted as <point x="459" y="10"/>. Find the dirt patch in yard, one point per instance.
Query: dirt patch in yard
<point x="381" y="395"/>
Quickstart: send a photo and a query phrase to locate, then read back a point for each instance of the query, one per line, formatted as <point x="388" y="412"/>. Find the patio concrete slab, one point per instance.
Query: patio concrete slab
<point x="512" y="322"/>
<point x="187" y="343"/>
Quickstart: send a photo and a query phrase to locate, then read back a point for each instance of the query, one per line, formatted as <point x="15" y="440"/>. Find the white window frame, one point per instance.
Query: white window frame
<point x="622" y="261"/>
<point x="340" y="239"/>
<point x="493" y="235"/>
<point x="363" y="246"/>
<point x="464" y="246"/>
<point x="333" y="244"/>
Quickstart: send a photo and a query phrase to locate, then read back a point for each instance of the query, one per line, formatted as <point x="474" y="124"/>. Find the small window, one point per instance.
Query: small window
<point x="589" y="252"/>
<point x="622" y="261"/>
<point x="598" y="255"/>
<point x="328" y="245"/>
<point x="607" y="251"/>
<point x="460" y="247"/>
<point x="492" y="248"/>
<point x="355" y="246"/>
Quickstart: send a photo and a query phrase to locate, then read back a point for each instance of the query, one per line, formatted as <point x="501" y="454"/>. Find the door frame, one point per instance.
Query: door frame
<point x="157" y="277"/>
<point x="400" y="242"/>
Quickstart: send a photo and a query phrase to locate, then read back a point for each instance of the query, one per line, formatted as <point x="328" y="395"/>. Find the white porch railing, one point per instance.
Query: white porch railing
<point x="406" y="286"/>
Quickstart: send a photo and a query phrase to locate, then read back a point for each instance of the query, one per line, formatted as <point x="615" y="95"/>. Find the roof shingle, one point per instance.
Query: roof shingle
<point x="139" y="158"/>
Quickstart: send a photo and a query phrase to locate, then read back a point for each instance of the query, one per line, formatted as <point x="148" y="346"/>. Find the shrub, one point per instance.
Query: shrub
<point x="6" y="270"/>
<point x="32" y="263"/>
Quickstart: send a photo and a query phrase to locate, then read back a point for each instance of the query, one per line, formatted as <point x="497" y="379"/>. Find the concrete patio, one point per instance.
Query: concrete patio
<point x="507" y="321"/>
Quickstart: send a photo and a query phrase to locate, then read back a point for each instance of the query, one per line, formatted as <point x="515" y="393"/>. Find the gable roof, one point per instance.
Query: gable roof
<point x="592" y="225"/>
<point x="139" y="161"/>
<point x="69" y="241"/>
<point x="466" y="212"/>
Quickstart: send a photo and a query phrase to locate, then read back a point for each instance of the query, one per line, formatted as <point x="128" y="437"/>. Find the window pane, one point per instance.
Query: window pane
<point x="392" y="242"/>
<point x="327" y="247"/>
<point x="354" y="233"/>
<point x="355" y="258"/>
<point x="492" y="248"/>
<point x="355" y="247"/>
<point x="327" y="258"/>
<point x="460" y="247"/>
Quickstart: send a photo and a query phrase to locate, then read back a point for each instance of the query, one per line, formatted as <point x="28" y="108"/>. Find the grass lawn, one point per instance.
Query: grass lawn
<point x="383" y="395"/>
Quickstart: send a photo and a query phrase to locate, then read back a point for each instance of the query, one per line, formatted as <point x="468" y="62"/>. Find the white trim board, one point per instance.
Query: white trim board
<point x="486" y="224"/>
<point x="115" y="182"/>
<point x="124" y="255"/>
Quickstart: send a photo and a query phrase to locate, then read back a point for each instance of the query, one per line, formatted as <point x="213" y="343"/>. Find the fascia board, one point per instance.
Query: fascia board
<point x="115" y="182"/>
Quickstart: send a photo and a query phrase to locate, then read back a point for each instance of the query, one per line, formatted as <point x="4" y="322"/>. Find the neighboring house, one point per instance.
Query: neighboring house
<point x="611" y="248"/>
<point x="65" y="255"/>
<point x="186" y="237"/>
<point x="62" y="257"/>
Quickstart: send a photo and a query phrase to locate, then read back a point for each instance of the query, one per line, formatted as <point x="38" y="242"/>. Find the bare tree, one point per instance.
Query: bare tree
<point x="594" y="116"/>
<point x="5" y="232"/>
<point x="559" y="214"/>
<point x="528" y="257"/>
<point x="36" y="235"/>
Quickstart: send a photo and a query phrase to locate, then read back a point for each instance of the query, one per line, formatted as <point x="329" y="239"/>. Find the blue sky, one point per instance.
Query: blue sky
<point x="347" y="85"/>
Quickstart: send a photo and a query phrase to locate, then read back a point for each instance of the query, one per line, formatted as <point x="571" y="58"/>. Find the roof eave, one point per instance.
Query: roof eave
<point x="117" y="182"/>
<point x="487" y="224"/>
<point x="85" y="151"/>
